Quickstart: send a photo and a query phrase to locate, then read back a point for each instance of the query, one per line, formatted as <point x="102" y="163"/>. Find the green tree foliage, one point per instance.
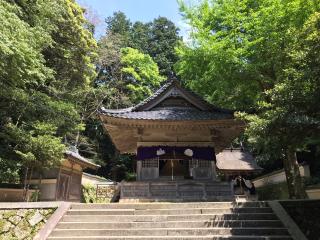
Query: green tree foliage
<point x="293" y="112"/>
<point x="126" y="77"/>
<point x="257" y="56"/>
<point x="238" y="47"/>
<point x="124" y="64"/>
<point x="109" y="70"/>
<point x="157" y="38"/>
<point x="162" y="42"/>
<point x="46" y="58"/>
<point x="140" y="73"/>
<point x="140" y="34"/>
<point x="118" y="23"/>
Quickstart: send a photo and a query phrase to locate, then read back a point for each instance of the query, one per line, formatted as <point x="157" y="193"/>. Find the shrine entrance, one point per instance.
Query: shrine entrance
<point x="175" y="163"/>
<point x="174" y="169"/>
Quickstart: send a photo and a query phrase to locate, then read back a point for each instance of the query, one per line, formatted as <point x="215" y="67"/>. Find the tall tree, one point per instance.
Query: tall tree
<point x="140" y="35"/>
<point x="157" y="38"/>
<point x="164" y="37"/>
<point x="293" y="112"/>
<point x="40" y="75"/>
<point x="239" y="55"/>
<point x="118" y="23"/>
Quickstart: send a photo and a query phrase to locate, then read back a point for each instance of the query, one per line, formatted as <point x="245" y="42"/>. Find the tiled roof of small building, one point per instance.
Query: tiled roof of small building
<point x="81" y="159"/>
<point x="145" y="110"/>
<point x="236" y="160"/>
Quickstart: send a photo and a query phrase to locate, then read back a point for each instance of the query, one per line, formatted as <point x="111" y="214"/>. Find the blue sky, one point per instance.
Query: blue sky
<point x="136" y="10"/>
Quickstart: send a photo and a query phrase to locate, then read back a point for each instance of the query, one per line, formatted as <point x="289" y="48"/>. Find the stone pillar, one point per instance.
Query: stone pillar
<point x="214" y="172"/>
<point x="139" y="166"/>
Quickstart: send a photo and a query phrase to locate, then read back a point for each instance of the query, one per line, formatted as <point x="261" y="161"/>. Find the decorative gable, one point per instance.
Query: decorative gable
<point x="174" y="102"/>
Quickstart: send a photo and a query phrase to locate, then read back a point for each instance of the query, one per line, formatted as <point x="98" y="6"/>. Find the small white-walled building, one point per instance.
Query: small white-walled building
<point x="63" y="183"/>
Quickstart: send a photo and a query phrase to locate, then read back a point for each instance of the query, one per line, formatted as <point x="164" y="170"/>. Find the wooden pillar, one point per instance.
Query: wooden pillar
<point x="58" y="183"/>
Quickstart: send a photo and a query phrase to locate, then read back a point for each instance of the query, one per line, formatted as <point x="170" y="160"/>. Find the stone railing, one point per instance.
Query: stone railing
<point x="177" y="190"/>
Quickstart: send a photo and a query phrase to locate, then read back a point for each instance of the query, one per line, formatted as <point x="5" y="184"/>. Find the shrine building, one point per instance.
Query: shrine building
<point x="181" y="142"/>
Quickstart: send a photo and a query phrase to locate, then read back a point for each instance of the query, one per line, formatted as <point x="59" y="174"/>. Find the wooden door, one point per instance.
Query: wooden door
<point x="62" y="188"/>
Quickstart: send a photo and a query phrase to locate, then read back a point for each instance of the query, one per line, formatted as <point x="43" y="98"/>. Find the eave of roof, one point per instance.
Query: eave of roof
<point x="171" y="114"/>
<point x="81" y="160"/>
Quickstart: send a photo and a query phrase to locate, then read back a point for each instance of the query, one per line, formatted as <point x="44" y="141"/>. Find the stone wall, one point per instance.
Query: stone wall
<point x="14" y="194"/>
<point x="99" y="193"/>
<point x="278" y="177"/>
<point x="22" y="223"/>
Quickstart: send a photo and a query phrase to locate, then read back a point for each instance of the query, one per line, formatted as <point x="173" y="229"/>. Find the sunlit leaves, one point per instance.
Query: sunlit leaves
<point x="238" y="48"/>
<point x="46" y="59"/>
<point x="141" y="74"/>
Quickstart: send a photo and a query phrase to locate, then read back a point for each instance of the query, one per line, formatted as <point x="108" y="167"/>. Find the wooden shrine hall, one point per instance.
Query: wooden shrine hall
<point x="176" y="136"/>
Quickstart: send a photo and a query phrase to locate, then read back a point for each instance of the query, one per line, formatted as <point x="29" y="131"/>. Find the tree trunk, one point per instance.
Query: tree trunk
<point x="25" y="184"/>
<point x="28" y="184"/>
<point x="294" y="181"/>
<point x="38" y="190"/>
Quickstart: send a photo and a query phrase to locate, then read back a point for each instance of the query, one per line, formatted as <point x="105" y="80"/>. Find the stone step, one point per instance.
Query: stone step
<point x="168" y="211"/>
<point x="171" y="221"/>
<point x="162" y="218"/>
<point x="169" y="232"/>
<point x="168" y="205"/>
<point x="94" y="212"/>
<point x="172" y="224"/>
<point x="209" y="237"/>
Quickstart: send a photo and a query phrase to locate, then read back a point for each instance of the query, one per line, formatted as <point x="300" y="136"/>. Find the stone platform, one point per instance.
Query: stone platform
<point x="176" y="191"/>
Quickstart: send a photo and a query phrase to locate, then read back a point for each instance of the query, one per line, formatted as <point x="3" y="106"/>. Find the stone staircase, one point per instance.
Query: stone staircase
<point x="170" y="221"/>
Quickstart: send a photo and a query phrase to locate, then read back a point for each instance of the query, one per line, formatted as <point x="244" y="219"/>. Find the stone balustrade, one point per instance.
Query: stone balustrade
<point x="185" y="190"/>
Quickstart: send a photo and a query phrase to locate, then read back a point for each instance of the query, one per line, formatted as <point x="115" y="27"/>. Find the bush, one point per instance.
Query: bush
<point x="89" y="195"/>
<point x="130" y="177"/>
<point x="273" y="191"/>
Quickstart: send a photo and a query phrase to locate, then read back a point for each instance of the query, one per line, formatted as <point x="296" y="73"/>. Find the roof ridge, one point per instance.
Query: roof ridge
<point x="163" y="88"/>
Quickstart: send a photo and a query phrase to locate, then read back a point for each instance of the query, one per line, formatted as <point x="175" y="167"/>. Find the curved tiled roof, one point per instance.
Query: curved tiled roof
<point x="82" y="160"/>
<point x="172" y="114"/>
<point x="145" y="110"/>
